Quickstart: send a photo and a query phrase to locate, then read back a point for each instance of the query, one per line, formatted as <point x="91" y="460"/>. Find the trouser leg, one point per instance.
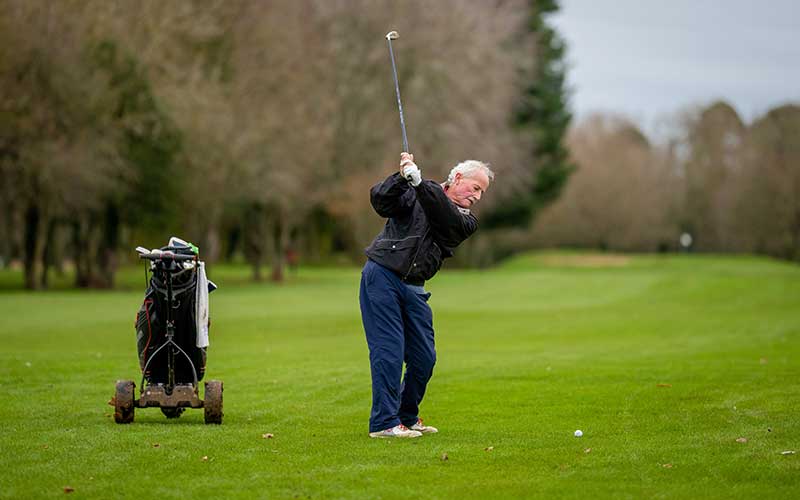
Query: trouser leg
<point x="383" y="324"/>
<point x="420" y="355"/>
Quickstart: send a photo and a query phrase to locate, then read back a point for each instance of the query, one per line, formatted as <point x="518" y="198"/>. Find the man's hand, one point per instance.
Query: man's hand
<point x="409" y="169"/>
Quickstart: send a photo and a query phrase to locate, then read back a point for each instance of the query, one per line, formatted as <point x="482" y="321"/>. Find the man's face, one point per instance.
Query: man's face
<point x="466" y="191"/>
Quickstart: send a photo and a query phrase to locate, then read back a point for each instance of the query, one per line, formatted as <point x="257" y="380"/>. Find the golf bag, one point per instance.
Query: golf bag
<point x="151" y="322"/>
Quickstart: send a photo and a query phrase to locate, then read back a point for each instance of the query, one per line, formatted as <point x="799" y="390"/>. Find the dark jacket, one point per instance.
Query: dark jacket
<point x="423" y="229"/>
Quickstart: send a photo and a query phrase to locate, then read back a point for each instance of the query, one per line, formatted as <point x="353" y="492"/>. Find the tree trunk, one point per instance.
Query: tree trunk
<point x="17" y="218"/>
<point x="233" y="240"/>
<point x="107" y="249"/>
<point x="212" y="249"/>
<point x="35" y="234"/>
<point x="81" y="242"/>
<point x="6" y="235"/>
<point x="795" y="252"/>
<point x="253" y="239"/>
<point x="281" y="242"/>
<point x="49" y="254"/>
<point x="31" y="233"/>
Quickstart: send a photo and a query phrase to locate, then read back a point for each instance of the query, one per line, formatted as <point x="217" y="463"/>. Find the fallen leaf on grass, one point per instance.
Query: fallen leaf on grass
<point x="490" y="448"/>
<point x="46" y="446"/>
<point x="787" y="452"/>
<point x="268" y="435"/>
<point x="444" y="456"/>
<point x="741" y="440"/>
<point x="663" y="385"/>
<point x="156" y="445"/>
<point x="666" y="466"/>
<point x="68" y="489"/>
<point x="205" y="458"/>
<point x="587" y="450"/>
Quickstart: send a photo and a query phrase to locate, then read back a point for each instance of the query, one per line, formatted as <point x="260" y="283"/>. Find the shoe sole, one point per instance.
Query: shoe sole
<point x="384" y="436"/>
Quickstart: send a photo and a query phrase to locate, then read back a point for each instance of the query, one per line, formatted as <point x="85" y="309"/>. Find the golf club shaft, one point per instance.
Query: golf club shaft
<point x="399" y="102"/>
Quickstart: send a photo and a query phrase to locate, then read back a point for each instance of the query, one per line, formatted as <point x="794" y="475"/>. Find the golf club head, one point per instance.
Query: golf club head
<point x="392" y="35"/>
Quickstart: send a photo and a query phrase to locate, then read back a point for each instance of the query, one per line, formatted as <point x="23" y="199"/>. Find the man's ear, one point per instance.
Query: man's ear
<point x="457" y="178"/>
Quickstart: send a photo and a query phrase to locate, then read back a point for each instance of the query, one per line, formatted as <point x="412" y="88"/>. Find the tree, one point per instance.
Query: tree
<point x="542" y="113"/>
<point x="769" y="200"/>
<point x="714" y="142"/>
<point x="59" y="138"/>
<point x="458" y="65"/>
<point x="185" y="51"/>
<point x="619" y="198"/>
<point x="265" y="120"/>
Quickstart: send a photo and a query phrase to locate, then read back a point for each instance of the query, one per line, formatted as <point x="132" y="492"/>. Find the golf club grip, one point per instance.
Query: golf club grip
<point x="399" y="101"/>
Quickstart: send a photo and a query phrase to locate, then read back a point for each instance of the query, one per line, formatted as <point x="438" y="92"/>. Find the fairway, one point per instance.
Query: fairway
<point x="664" y="363"/>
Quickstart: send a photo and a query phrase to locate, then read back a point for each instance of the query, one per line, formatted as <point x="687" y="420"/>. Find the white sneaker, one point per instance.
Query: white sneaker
<point x="425" y="429"/>
<point x="398" y="431"/>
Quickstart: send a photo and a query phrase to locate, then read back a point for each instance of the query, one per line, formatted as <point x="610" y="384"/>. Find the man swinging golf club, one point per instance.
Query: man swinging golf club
<point x="426" y="222"/>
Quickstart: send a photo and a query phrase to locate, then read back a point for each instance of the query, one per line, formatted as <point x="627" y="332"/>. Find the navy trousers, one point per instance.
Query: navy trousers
<point x="399" y="326"/>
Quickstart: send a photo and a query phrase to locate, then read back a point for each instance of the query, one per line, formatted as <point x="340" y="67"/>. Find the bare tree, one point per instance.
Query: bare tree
<point x="184" y="48"/>
<point x="714" y="140"/>
<point x="768" y="202"/>
<point x="276" y="115"/>
<point x="458" y="65"/>
<point x="60" y="149"/>
<point x="620" y="196"/>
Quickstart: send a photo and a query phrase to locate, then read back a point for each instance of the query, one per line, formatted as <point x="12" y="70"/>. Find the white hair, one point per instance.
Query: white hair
<point x="467" y="168"/>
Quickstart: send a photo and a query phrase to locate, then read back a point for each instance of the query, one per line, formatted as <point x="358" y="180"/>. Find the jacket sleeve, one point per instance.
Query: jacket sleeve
<point x="392" y="197"/>
<point x="449" y="224"/>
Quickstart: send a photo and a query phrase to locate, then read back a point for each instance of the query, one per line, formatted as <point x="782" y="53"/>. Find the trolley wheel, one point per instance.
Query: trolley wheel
<point x="124" y="402"/>
<point x="172" y="412"/>
<point x="213" y="402"/>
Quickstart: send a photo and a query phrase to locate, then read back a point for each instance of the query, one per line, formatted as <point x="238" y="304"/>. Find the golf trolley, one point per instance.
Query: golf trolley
<point x="172" y="364"/>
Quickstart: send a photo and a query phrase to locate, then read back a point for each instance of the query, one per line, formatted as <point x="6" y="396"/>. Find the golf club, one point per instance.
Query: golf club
<point x="393" y="35"/>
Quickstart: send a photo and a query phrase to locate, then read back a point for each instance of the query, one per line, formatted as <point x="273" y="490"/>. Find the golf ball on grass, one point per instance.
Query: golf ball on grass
<point x="578" y="433"/>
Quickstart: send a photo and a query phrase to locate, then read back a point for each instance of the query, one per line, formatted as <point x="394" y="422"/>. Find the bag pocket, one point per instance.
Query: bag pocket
<point x="146" y="323"/>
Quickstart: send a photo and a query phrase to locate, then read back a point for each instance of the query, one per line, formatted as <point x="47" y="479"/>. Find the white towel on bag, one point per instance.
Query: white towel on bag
<point x="201" y="302"/>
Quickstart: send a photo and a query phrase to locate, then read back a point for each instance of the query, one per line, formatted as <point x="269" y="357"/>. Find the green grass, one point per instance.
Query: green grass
<point x="663" y="362"/>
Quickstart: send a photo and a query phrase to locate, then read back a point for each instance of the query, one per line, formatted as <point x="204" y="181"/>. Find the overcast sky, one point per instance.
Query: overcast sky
<point x="648" y="58"/>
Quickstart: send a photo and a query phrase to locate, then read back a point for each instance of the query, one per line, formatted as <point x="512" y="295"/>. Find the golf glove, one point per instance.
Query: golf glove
<point x="412" y="174"/>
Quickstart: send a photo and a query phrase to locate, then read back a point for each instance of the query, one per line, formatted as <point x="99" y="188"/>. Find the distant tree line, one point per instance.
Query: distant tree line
<point x="731" y="186"/>
<point x="255" y="129"/>
<point x="251" y="128"/>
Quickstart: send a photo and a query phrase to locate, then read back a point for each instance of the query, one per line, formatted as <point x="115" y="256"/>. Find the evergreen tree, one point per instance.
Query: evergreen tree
<point x="543" y="114"/>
